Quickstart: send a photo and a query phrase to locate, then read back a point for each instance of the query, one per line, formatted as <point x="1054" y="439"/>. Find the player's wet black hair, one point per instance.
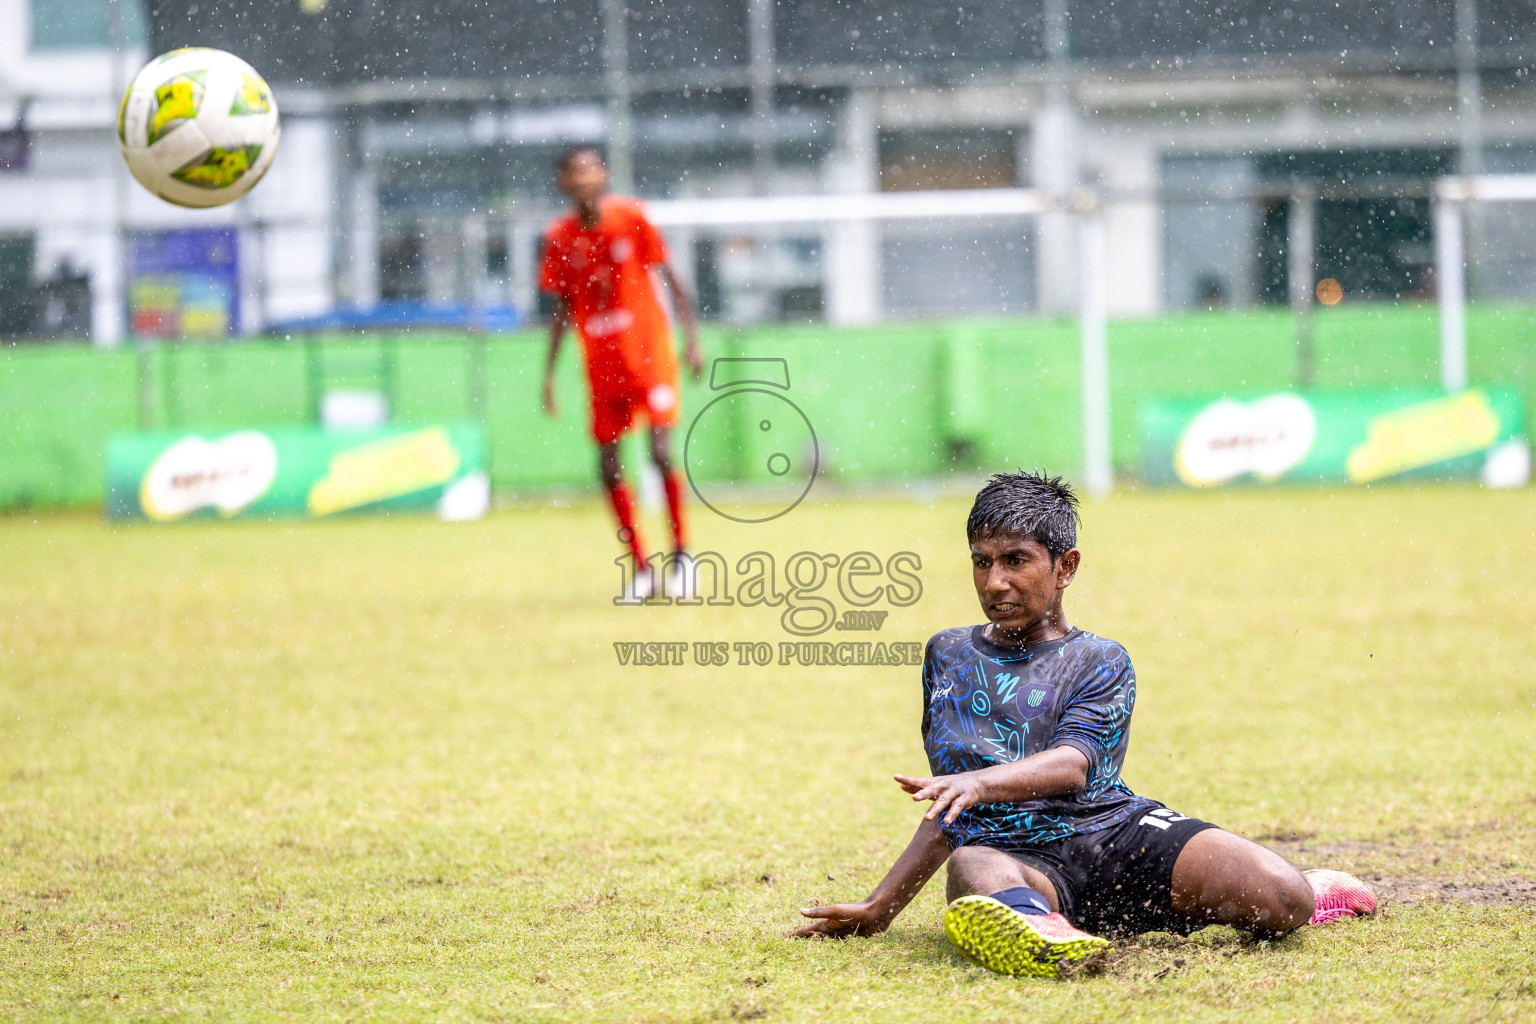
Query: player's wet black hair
<point x="1028" y="504"/>
<point x="572" y="152"/>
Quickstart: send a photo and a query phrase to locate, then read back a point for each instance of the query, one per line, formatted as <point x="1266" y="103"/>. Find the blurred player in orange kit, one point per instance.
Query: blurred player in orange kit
<point x="598" y="263"/>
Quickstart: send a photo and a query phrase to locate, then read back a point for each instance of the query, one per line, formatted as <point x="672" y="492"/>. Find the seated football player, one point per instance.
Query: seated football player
<point x="1025" y="722"/>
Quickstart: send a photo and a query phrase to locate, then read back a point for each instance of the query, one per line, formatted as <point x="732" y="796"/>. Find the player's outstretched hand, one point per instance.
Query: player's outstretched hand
<point x="842" y="920"/>
<point x="955" y="792"/>
<point x="549" y="397"/>
<point x="694" y="358"/>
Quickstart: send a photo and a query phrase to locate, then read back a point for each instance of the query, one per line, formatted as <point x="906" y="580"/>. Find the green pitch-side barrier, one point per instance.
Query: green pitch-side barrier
<point x="1357" y="437"/>
<point x="886" y="402"/>
<point x="297" y="471"/>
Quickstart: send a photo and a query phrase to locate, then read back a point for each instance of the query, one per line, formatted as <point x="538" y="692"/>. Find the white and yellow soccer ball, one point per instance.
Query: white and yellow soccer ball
<point x="198" y="127"/>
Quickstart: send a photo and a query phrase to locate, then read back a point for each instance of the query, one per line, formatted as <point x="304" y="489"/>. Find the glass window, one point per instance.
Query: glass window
<point x="16" y="254"/>
<point x="70" y="24"/>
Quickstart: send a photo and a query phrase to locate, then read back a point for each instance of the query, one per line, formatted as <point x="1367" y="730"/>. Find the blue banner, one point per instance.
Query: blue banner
<point x="185" y="284"/>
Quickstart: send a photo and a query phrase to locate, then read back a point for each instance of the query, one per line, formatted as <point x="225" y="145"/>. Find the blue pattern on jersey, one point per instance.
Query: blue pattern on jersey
<point x="986" y="704"/>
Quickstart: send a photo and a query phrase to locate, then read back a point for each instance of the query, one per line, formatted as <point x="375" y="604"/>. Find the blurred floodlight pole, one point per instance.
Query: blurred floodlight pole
<point x="1469" y="121"/>
<point x="360" y="192"/>
<point x="621" y="167"/>
<point x="1093" y="299"/>
<point x="1053" y="162"/>
<point x="1469" y="88"/>
<point x="1301" y="246"/>
<point x="762" y="55"/>
<point x="111" y="330"/>
<point x="852" y="254"/>
<point x="1452" y="223"/>
<point x="1451" y="280"/>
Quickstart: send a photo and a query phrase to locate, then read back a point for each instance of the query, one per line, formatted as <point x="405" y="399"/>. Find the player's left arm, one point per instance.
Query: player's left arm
<point x="875" y="912"/>
<point x="653" y="251"/>
<point x="683" y="303"/>
<point x="1058" y="771"/>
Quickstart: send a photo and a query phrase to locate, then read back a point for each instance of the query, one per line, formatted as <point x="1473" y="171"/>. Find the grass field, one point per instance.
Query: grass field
<point x="392" y="770"/>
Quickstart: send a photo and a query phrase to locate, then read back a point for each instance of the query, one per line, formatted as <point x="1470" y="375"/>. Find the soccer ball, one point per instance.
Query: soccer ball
<point x="198" y="127"/>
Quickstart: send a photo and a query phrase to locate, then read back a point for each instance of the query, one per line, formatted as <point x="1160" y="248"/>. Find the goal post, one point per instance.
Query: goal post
<point x="875" y="207"/>
<point x="1452" y="194"/>
<point x="751" y="211"/>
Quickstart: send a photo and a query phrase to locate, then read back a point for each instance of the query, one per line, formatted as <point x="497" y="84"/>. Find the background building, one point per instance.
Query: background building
<point x="418" y="143"/>
<point x="69" y="212"/>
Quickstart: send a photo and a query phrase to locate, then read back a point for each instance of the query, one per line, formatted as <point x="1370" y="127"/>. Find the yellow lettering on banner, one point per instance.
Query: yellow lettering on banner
<point x="1423" y="434"/>
<point x="385" y="469"/>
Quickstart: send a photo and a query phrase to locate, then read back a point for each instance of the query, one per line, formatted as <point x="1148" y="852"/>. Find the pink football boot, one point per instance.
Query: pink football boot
<point x="1339" y="895"/>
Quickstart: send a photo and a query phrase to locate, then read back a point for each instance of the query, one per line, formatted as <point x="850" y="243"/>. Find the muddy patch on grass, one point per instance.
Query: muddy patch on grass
<point x="1403" y="892"/>
<point x="1152" y="956"/>
<point x="1410" y="887"/>
<point x="1306" y="852"/>
<point x="1368" y="859"/>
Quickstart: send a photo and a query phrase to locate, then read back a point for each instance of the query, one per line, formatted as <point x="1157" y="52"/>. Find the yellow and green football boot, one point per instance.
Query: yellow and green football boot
<point x="1003" y="940"/>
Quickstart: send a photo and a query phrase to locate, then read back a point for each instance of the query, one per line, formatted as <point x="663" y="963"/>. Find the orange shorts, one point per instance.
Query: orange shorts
<point x="614" y="407"/>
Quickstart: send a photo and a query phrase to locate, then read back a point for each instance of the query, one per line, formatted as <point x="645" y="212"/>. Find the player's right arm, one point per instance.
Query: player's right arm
<point x="1082" y="758"/>
<point x="924" y="855"/>
<point x="559" y="320"/>
<point x="555" y="281"/>
<point x="1057" y="771"/>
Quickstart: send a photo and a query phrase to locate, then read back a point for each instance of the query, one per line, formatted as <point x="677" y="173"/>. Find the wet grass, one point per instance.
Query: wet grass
<point x="391" y="769"/>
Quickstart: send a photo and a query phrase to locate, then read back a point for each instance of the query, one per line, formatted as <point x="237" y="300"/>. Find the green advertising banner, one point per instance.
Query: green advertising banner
<point x="1356" y="437"/>
<point x="298" y="471"/>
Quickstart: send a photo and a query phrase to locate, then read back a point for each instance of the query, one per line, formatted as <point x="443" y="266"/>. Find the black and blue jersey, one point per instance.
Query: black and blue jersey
<point x="986" y="704"/>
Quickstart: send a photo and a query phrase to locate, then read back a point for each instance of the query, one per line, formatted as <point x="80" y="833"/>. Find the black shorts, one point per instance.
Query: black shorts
<point x="1119" y="880"/>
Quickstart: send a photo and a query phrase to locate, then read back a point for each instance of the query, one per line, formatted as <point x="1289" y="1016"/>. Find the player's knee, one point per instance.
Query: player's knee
<point x="981" y="870"/>
<point x="1291" y="901"/>
<point x="964" y="865"/>
<point x="964" y="857"/>
<point x="663" y="460"/>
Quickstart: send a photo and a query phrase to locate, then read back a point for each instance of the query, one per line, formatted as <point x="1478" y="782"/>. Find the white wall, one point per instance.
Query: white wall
<point x="297" y="205"/>
<point x="54" y="74"/>
<point x="1126" y="170"/>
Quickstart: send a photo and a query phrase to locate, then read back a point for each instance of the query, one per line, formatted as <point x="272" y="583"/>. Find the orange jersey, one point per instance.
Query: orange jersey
<point x="604" y="275"/>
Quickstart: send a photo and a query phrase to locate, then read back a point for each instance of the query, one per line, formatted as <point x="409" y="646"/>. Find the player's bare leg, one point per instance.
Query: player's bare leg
<point x="1221" y="878"/>
<point x="661" y="450"/>
<point x="678" y="582"/>
<point x="609" y="468"/>
<point x="981" y="871"/>
<point x="986" y="890"/>
<point x="661" y="455"/>
<point x="611" y="471"/>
